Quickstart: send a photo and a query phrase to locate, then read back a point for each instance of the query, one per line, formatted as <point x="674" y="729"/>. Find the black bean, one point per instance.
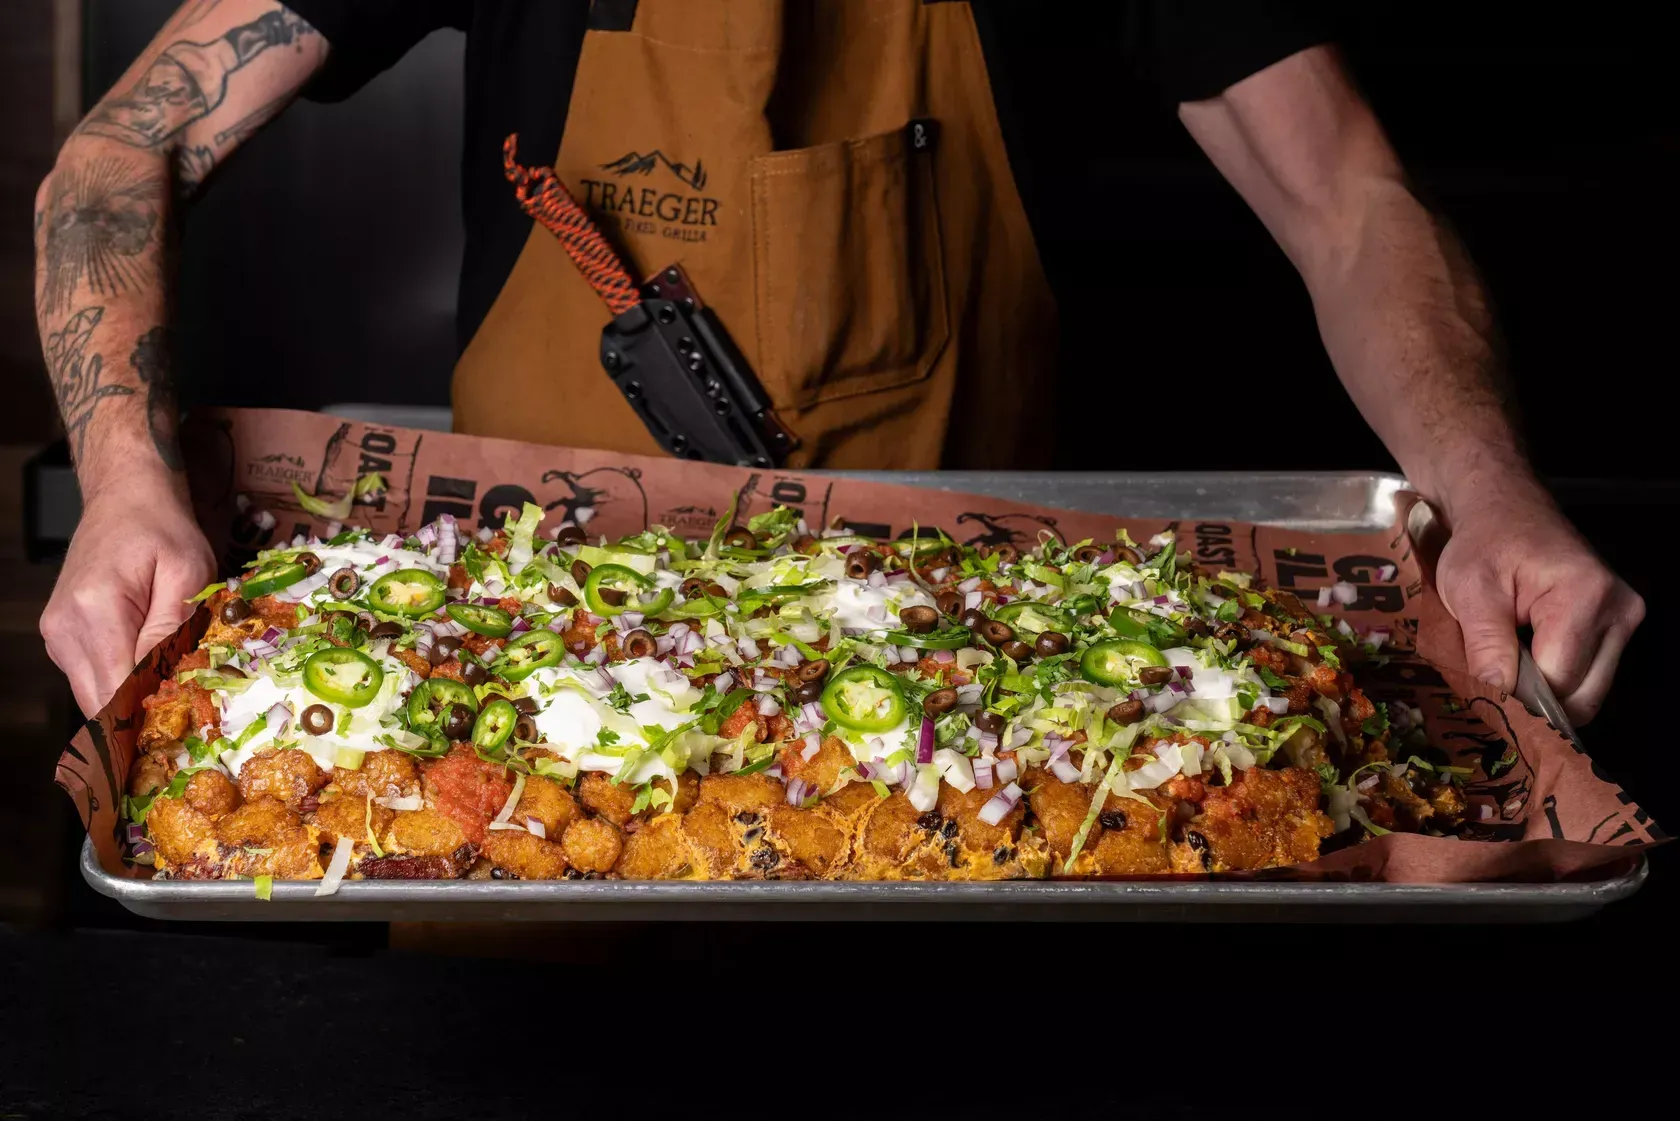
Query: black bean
<point x="752" y="834"/>
<point x="1199" y="843"/>
<point x="746" y="817"/>
<point x="498" y="874"/>
<point x="930" y="820"/>
<point x="1112" y="819"/>
<point x="763" y="858"/>
<point x="949" y="829"/>
<point x="1003" y="854"/>
<point x="953" y="854"/>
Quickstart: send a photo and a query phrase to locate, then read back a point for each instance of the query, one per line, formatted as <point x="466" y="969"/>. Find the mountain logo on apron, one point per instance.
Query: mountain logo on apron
<point x="675" y="211"/>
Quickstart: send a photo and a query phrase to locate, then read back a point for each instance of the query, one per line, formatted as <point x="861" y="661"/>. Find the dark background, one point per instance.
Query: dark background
<point x="321" y="267"/>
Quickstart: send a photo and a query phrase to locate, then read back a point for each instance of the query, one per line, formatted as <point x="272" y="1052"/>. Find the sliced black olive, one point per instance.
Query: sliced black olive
<point x="235" y="610"/>
<point x="939" y="701"/>
<point x="1051" y="643"/>
<point x="581" y="570"/>
<point x="387" y="629"/>
<point x="996" y="631"/>
<point x="1128" y="554"/>
<point x="1126" y="712"/>
<point x="311" y="563"/>
<point x="1017" y="650"/>
<point x="571" y="535"/>
<point x="639" y="644"/>
<point x="317" y="720"/>
<point x="989" y="722"/>
<point x="806" y="544"/>
<point x="1197" y="627"/>
<point x="740" y="537"/>
<point x="1006" y="554"/>
<point x="974" y="619"/>
<point x="562" y="596"/>
<point x="527" y="705"/>
<point x="525" y="728"/>
<point x="444" y="649"/>
<point x="1155" y="675"/>
<point x="950" y="602"/>
<point x="343" y="583"/>
<point x="808" y="691"/>
<point x="859" y="564"/>
<point x="1085" y="554"/>
<point x="457" y="722"/>
<point x="474" y="673"/>
<point x="813" y="671"/>
<point x="692" y="588"/>
<point x="918" y="619"/>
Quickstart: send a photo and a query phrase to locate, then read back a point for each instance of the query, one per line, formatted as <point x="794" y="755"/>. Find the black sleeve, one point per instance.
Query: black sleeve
<point x="367" y="37"/>
<point x="1199" y="48"/>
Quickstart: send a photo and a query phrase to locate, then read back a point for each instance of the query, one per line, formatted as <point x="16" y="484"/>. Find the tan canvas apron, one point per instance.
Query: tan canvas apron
<point x="889" y="298"/>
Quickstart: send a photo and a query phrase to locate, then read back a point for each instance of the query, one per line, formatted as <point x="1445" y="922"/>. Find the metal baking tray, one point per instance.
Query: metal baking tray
<point x="1347" y="502"/>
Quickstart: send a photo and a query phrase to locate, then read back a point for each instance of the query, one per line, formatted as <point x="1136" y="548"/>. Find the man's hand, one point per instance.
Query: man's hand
<point x="137" y="556"/>
<point x="1514" y="559"/>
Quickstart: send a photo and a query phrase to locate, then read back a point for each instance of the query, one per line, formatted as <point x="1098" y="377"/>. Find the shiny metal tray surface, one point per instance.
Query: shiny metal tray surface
<point x="1334" y="502"/>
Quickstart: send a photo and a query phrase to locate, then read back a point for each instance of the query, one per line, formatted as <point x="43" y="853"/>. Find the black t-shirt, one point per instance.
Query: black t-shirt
<point x="522" y="57"/>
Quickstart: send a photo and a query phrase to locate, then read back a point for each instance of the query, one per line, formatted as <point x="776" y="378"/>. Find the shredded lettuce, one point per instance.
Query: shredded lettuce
<point x="522" y="536"/>
<point x="264" y="886"/>
<point x="208" y="592"/>
<point x="338" y="508"/>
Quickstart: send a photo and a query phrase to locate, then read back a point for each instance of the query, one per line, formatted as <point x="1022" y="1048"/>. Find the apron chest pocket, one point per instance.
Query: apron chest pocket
<point x="849" y="277"/>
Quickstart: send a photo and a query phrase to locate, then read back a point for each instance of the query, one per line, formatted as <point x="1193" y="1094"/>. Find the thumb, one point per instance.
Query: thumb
<point x="1486" y="614"/>
<point x="172" y="586"/>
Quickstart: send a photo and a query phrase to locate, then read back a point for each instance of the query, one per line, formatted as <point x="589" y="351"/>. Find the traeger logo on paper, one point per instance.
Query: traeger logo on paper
<point x="277" y="468"/>
<point x="681" y="214"/>
<point x="693" y="520"/>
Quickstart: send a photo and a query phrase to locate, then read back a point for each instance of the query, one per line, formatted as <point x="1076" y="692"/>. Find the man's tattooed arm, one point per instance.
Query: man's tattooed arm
<point x="189" y="81"/>
<point x="105" y="220"/>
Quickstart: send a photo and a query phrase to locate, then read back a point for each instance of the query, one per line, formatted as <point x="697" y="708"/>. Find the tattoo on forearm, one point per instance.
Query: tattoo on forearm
<point x="102" y="217"/>
<point x="192" y="167"/>
<point x="76" y="375"/>
<point x="154" y="364"/>
<point x="188" y="81"/>
<point x="244" y="128"/>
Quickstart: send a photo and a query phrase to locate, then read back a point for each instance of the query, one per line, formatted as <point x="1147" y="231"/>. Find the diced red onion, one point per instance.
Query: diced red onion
<point x="1065" y="770"/>
<point x="909" y="654"/>
<point x="998" y="806"/>
<point x="972" y="600"/>
<point x="535" y="827"/>
<point x="723" y="682"/>
<point x="427" y="535"/>
<point x="796" y="791"/>
<point x="521" y="625"/>
<point x="1344" y="630"/>
<point x="969" y="585"/>
<point x="664" y="644"/>
<point x="939" y="574"/>
<point x="1160" y="702"/>
<point x="423" y="639"/>
<point x="1106" y="558"/>
<point x="774" y="770"/>
<point x="1183" y="671"/>
<point x="1019" y="737"/>
<point x="1324" y="596"/>
<point x="1377" y="636"/>
<point x="391" y="541"/>
<point x="944" y="657"/>
<point x="1007" y="769"/>
<point x="1058" y="745"/>
<point x="767" y="706"/>
<point x="626" y="621"/>
<point x="813" y="744"/>
<point x="265" y="520"/>
<point x="1367" y="782"/>
<point x="901" y="574"/>
<point x="1343" y="592"/>
<point x="982" y="774"/>
<point x="257" y="648"/>
<point x="1279" y="705"/>
<point x="813" y="711"/>
<point x="449" y="541"/>
<point x="381" y="560"/>
<point x="596" y="656"/>
<point x="970" y="693"/>
<point x="273" y="635"/>
<point x="559" y="624"/>
<point x="875" y="612"/>
<point x="877" y="579"/>
<point x="924" y="747"/>
<point x="890" y="654"/>
<point x="233" y="583"/>
<point x="749" y="648"/>
<point x="135" y="833"/>
<point x="278" y="717"/>
<point x="988" y="741"/>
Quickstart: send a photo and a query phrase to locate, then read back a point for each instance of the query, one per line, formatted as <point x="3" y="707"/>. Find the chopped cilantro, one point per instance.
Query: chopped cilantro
<point x="1272" y="680"/>
<point x="1328" y="653"/>
<point x="621" y="698"/>
<point x="1376" y="724"/>
<point x="1229" y="611"/>
<point x="606" y="737"/>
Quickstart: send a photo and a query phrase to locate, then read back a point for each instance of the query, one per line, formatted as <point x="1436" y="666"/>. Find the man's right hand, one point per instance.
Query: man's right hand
<point x="136" y="558"/>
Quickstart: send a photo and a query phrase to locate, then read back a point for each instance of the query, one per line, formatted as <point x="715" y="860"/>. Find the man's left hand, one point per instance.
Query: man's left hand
<point x="1514" y="558"/>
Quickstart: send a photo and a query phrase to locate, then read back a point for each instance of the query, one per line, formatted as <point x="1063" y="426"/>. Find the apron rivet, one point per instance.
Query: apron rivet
<point x="611" y="359"/>
<point x="667" y="314"/>
<point x="679" y="444"/>
<point x="632" y="389"/>
<point x="684" y="345"/>
<point x="672" y="275"/>
<point x="713" y="387"/>
<point x="722" y="408"/>
<point x="695" y="361"/>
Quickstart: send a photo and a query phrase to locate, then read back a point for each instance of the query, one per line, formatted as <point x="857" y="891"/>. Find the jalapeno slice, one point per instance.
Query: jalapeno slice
<point x="954" y="639"/>
<point x="479" y="618"/>
<point x="271" y="577"/>
<point x="529" y="652"/>
<point x="1034" y="618"/>
<point x="407" y="591"/>
<point x="343" y="675"/>
<point x="864" y="699"/>
<point x="431" y="700"/>
<point x="1117" y="661"/>
<point x="619" y="578"/>
<point x="494" y="725"/>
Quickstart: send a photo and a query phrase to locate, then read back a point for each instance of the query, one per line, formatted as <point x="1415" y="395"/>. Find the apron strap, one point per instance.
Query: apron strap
<point x="544" y="197"/>
<point x="612" y="15"/>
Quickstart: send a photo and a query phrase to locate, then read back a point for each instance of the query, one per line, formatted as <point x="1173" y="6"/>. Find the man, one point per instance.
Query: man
<point x="833" y="177"/>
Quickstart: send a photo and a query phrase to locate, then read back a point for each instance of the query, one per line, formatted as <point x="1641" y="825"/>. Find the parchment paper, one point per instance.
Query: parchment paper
<point x="1551" y="813"/>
